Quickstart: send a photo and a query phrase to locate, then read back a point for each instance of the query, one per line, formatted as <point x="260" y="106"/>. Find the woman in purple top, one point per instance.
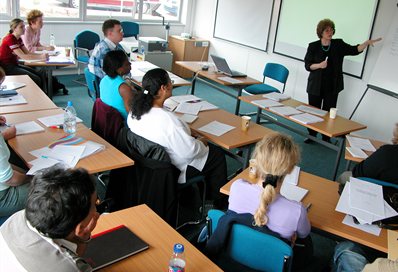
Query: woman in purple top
<point x="275" y="156"/>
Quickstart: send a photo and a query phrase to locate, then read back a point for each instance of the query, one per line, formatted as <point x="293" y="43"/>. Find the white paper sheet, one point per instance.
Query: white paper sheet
<point x="216" y="128"/>
<point x="293" y="192"/>
<point x="361" y="143"/>
<point x="69" y="154"/>
<point x="169" y="104"/>
<point x="293" y="177"/>
<point x="188" y="108"/>
<point x="204" y="106"/>
<point x="55" y="120"/>
<point x="60" y="60"/>
<point x="185" y="98"/>
<point x="28" y="127"/>
<point x="366" y="196"/>
<point x="230" y="80"/>
<point x="277" y="96"/>
<point x="266" y="103"/>
<point x="286" y="110"/>
<point x="91" y="148"/>
<point x="11" y="86"/>
<point x="312" y="110"/>
<point x="13" y="100"/>
<point x="372" y="229"/>
<point x="40" y="164"/>
<point x="306" y="118"/>
<point x="187" y="118"/>
<point x="356" y="152"/>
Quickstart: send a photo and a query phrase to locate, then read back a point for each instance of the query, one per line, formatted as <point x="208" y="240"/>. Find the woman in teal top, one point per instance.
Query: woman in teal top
<point x="113" y="90"/>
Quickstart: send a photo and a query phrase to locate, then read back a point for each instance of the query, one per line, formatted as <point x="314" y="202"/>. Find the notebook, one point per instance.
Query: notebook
<point x="222" y="66"/>
<point x="112" y="245"/>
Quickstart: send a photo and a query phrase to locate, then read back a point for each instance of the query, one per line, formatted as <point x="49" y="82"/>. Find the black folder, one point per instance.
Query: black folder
<point x="111" y="246"/>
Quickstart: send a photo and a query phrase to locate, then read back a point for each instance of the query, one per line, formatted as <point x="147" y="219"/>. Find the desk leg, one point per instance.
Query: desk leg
<point x="238" y="101"/>
<point x="258" y="117"/>
<point x="246" y="156"/>
<point x="348" y="165"/>
<point x="341" y="142"/>
<point x="193" y="83"/>
<point x="49" y="83"/>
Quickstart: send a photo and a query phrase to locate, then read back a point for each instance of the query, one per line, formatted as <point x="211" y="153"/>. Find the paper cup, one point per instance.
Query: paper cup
<point x="252" y="169"/>
<point x="245" y="123"/>
<point x="333" y="113"/>
<point x="67" y="51"/>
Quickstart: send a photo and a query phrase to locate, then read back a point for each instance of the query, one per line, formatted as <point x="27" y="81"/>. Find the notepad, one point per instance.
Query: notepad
<point x="59" y="60"/>
<point x="230" y="80"/>
<point x="12" y="100"/>
<point x="356" y="152"/>
<point x="216" y="128"/>
<point x="185" y="98"/>
<point x="361" y="143"/>
<point x="266" y="103"/>
<point x="28" y="127"/>
<point x="188" y="108"/>
<point x="277" y="96"/>
<point x="286" y="110"/>
<point x="312" y="110"/>
<point x="293" y="192"/>
<point x="55" y="120"/>
<point x="111" y="246"/>
<point x="306" y="118"/>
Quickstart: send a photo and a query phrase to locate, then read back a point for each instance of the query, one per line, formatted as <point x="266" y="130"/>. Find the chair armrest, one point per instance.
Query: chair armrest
<point x="82" y="49"/>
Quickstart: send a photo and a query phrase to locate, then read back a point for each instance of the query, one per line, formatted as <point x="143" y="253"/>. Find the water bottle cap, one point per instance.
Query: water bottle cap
<point x="178" y="248"/>
<point x="70" y="104"/>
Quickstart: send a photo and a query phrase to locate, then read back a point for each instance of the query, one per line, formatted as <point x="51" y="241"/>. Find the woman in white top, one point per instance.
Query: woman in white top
<point x="148" y="119"/>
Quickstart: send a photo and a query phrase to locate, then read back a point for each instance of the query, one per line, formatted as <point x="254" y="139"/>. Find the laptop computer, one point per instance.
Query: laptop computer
<point x="222" y="66"/>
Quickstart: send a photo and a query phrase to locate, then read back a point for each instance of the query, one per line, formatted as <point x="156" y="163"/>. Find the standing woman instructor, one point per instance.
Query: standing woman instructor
<point x="324" y="61"/>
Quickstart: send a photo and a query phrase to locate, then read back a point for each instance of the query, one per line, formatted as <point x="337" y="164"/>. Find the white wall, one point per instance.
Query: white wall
<point x="378" y="111"/>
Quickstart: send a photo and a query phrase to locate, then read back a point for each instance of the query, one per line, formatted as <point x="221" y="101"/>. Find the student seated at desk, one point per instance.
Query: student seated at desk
<point x="149" y="120"/>
<point x="12" y="48"/>
<point x="114" y="91"/>
<point x="381" y="165"/>
<point x="275" y="155"/>
<point x="53" y="231"/>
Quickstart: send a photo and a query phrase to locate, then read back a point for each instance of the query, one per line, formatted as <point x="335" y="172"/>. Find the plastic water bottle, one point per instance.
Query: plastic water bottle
<point x="177" y="261"/>
<point x="70" y="119"/>
<point x="142" y="50"/>
<point x="52" y="40"/>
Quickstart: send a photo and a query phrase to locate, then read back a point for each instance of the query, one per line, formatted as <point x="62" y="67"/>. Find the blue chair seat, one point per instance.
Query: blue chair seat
<point x="260" y="89"/>
<point x="83" y="59"/>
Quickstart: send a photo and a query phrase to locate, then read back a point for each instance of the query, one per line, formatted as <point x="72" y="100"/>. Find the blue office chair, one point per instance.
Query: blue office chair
<point x="130" y="29"/>
<point x="274" y="71"/>
<point x="254" y="249"/>
<point x="83" y="43"/>
<point x="92" y="82"/>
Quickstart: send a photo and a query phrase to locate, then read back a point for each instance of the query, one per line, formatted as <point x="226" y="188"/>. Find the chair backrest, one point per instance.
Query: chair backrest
<point x="85" y="39"/>
<point x="253" y="248"/>
<point x="277" y="72"/>
<point x="130" y="29"/>
<point x="106" y="121"/>
<point x="92" y="84"/>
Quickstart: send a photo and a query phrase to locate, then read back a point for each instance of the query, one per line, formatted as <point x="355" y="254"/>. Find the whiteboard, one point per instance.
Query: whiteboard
<point x="353" y="22"/>
<point x="244" y="22"/>
<point x="385" y="71"/>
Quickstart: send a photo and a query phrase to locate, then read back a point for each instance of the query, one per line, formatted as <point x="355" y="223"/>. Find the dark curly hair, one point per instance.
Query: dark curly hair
<point x="152" y="81"/>
<point x="113" y="60"/>
<point x="59" y="199"/>
<point x="322" y="25"/>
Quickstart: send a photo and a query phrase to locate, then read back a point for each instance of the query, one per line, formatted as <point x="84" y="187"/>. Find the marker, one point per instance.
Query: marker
<point x="308" y="206"/>
<point x="326" y="59"/>
<point x="59" y="126"/>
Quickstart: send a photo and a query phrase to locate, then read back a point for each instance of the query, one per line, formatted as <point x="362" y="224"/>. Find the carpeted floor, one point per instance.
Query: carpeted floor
<point x="315" y="158"/>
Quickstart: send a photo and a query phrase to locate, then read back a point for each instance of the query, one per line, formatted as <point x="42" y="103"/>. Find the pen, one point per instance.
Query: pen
<point x="308" y="206"/>
<point x="59" y="126"/>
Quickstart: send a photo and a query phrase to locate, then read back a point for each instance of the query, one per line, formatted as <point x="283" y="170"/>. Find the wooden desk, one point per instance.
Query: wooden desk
<point x="196" y="68"/>
<point x="335" y="128"/>
<point x="161" y="238"/>
<point x="350" y="158"/>
<point x="36" y="98"/>
<point x="49" y="67"/>
<point x="235" y="138"/>
<point x="323" y="194"/>
<point x="139" y="68"/>
<point x="108" y="159"/>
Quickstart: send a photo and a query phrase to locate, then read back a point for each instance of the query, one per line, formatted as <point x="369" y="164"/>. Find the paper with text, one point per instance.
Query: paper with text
<point x="12" y="100"/>
<point x="188" y="108"/>
<point x="266" y="103"/>
<point x="28" y="127"/>
<point x="356" y="152"/>
<point x="366" y="196"/>
<point x="372" y="229"/>
<point x="216" y="128"/>
<point x="361" y="143"/>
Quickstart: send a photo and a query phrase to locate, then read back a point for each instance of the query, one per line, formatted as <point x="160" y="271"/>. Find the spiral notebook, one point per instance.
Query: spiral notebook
<point x="111" y="246"/>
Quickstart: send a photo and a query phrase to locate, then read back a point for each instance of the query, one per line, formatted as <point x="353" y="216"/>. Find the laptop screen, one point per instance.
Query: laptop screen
<point x="221" y="64"/>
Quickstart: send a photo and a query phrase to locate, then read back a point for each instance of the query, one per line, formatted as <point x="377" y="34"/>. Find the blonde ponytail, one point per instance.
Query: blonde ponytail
<point x="267" y="197"/>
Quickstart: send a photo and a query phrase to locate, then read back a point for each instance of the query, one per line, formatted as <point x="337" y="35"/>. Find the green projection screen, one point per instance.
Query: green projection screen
<point x="298" y="19"/>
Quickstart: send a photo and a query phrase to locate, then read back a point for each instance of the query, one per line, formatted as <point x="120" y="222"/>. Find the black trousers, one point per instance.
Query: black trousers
<point x="215" y="173"/>
<point x="37" y="76"/>
<point x="325" y="102"/>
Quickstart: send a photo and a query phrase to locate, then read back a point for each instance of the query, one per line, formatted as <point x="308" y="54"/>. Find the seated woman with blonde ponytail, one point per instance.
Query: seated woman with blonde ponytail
<point x="275" y="155"/>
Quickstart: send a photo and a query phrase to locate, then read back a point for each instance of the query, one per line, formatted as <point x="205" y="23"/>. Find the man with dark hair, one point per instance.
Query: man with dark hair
<point x="52" y="232"/>
<point x="113" y="34"/>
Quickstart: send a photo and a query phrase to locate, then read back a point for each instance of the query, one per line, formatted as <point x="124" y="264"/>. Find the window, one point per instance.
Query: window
<point x="51" y="8"/>
<point x="4" y="7"/>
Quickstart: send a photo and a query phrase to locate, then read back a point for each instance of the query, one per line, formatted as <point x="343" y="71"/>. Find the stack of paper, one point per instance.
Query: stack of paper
<point x="12" y="100"/>
<point x="365" y="201"/>
<point x="266" y="103"/>
<point x="306" y="118"/>
<point x="230" y="80"/>
<point x="356" y="152"/>
<point x="216" y="128"/>
<point x="189" y="119"/>
<point x="276" y="96"/>
<point x="293" y="176"/>
<point x="285" y="110"/>
<point x="312" y="110"/>
<point x="360" y="143"/>
<point x="60" y="60"/>
<point x="55" y="120"/>
<point x="185" y="98"/>
<point x="293" y="192"/>
<point x="28" y="127"/>
<point x="188" y="108"/>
